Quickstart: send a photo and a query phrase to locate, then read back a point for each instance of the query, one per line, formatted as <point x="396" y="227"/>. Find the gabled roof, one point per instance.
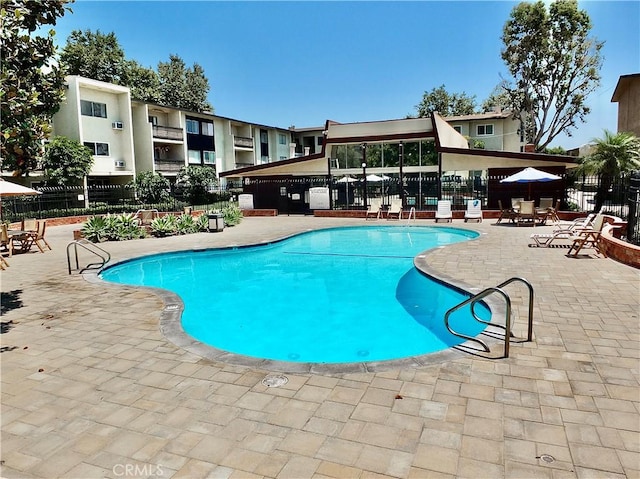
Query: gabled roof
<point x="623" y="83"/>
<point x="490" y="115"/>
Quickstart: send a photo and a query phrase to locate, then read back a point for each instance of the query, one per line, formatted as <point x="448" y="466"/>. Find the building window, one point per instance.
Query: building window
<point x="153" y="120"/>
<point x="97" y="149"/>
<point x="458" y="128"/>
<point x="209" y="157"/>
<point x="194" y="157"/>
<point x="484" y="130"/>
<point x="282" y="139"/>
<point x="207" y="128"/>
<point x="319" y="140"/>
<point x="193" y="126"/>
<point x="92" y="108"/>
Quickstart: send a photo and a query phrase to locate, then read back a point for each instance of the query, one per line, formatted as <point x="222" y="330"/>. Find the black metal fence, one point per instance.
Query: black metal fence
<point x="61" y="201"/>
<point x="291" y="195"/>
<point x="633" y="219"/>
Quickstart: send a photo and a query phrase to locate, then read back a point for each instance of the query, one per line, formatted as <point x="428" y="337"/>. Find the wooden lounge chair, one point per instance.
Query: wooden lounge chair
<point x="588" y="237"/>
<point x="444" y="211"/>
<point x="395" y="210"/>
<point x="474" y="211"/>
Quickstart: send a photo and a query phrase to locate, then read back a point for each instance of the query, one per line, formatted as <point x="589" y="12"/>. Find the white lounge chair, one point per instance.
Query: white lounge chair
<point x="444" y="211"/>
<point x="474" y="211"/>
<point x="395" y="210"/>
<point x="375" y="209"/>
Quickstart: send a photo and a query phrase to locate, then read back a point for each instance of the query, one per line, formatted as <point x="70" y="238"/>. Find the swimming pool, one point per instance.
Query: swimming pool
<point x="338" y="295"/>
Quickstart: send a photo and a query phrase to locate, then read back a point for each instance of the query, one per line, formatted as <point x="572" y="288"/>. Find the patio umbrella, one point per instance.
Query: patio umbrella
<point x="530" y="175"/>
<point x="8" y="188"/>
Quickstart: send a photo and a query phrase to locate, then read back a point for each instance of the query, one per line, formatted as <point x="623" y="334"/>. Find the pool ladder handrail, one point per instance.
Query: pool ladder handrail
<point x="473" y="300"/>
<point x="411" y="211"/>
<point x="104" y="255"/>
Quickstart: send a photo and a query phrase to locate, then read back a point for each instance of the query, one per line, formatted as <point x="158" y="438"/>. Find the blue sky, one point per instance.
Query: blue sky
<point x="301" y="63"/>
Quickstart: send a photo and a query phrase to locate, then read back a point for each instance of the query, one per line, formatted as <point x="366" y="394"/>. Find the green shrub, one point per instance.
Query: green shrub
<point x="186" y="224"/>
<point x="95" y="229"/>
<point x="202" y="222"/>
<point x="232" y="214"/>
<point x="163" y="226"/>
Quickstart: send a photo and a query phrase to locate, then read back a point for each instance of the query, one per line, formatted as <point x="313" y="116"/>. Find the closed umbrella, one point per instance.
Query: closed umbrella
<point x="530" y="175"/>
<point x="346" y="180"/>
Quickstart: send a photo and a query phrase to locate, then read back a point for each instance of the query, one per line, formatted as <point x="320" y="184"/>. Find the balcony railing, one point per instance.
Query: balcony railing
<point x="168" y="132"/>
<point x="169" y="166"/>
<point x="242" y="142"/>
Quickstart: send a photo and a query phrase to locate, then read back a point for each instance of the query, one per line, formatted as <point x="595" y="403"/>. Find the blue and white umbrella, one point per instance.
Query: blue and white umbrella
<point x="530" y="175"/>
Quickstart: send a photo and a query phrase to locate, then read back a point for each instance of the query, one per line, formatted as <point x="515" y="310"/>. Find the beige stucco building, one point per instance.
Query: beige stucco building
<point x="627" y="96"/>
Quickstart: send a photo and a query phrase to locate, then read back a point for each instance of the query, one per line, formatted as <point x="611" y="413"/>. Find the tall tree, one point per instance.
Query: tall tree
<point x="32" y="84"/>
<point x="143" y="82"/>
<point x="94" y="55"/>
<point x="554" y="64"/>
<point x="66" y="161"/>
<point x="498" y="98"/>
<point x="445" y="103"/>
<point x="197" y="87"/>
<point x="183" y="87"/>
<point x="613" y="154"/>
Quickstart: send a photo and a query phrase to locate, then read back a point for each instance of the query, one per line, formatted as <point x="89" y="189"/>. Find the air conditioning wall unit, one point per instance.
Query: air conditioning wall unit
<point x="116" y="125"/>
<point x="119" y="163"/>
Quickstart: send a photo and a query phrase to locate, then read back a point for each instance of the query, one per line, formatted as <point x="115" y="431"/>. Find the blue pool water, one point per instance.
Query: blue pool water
<point x="330" y="296"/>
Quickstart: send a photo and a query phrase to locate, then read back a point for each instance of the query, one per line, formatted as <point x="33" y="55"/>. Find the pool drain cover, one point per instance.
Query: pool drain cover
<point x="275" y="381"/>
<point x="547" y="458"/>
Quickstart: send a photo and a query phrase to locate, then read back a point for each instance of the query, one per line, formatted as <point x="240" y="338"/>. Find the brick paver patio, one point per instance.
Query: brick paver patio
<point x="91" y="388"/>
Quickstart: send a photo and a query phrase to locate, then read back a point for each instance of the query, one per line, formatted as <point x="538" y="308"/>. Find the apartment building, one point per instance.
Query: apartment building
<point x="129" y="136"/>
<point x="496" y="130"/>
<point x="98" y="115"/>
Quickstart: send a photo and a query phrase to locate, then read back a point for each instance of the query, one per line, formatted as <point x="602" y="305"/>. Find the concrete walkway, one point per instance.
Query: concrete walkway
<point x="91" y="388"/>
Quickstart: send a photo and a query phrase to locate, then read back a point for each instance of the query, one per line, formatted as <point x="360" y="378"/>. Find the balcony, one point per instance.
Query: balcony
<point x="168" y="166"/>
<point x="243" y="142"/>
<point x="168" y="133"/>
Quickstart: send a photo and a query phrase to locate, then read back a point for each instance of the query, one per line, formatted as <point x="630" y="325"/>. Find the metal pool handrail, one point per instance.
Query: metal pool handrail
<point x="104" y="256"/>
<point x="473" y="300"/>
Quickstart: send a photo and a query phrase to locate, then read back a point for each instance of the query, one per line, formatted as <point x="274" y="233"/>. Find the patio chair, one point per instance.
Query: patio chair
<point x="527" y="213"/>
<point x="395" y="210"/>
<point x="38" y="237"/>
<point x="474" y="211"/>
<point x="29" y="224"/>
<point x="5" y="240"/>
<point x="515" y="203"/>
<point x="588" y="237"/>
<point x="505" y="213"/>
<point x="544" y="209"/>
<point x="19" y="240"/>
<point x="375" y="209"/>
<point x="444" y="211"/>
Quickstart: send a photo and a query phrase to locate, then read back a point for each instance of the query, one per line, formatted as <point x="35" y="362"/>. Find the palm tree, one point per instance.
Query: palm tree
<point x="613" y="155"/>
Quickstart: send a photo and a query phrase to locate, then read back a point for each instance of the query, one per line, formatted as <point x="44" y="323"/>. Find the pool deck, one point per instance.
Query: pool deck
<point x="91" y="388"/>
